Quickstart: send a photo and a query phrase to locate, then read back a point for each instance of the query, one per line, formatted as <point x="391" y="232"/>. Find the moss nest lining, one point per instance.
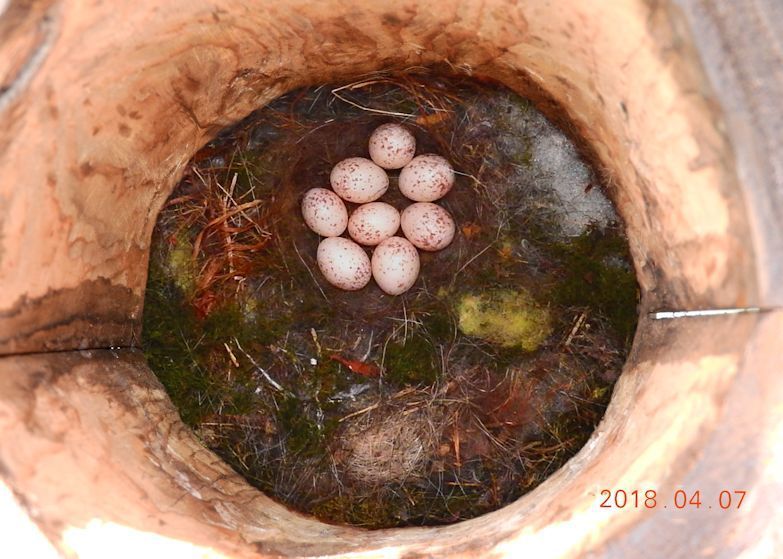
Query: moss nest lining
<point x="505" y="317"/>
<point x="435" y="406"/>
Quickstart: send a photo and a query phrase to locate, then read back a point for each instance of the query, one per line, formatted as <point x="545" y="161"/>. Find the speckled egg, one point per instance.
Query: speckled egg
<point x="428" y="226"/>
<point x="359" y="180"/>
<point x="395" y="265"/>
<point x="324" y="212"/>
<point x="343" y="263"/>
<point x="392" y="146"/>
<point x="426" y="178"/>
<point x="374" y="222"/>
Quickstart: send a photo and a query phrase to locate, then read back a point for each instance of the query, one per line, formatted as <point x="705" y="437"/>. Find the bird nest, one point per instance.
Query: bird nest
<point x="430" y="407"/>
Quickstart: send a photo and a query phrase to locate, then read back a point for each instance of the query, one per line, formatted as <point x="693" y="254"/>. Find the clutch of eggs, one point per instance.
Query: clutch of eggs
<point x="426" y="226"/>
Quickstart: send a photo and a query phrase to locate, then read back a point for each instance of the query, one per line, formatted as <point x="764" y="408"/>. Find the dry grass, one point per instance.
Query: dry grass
<point x="387" y="446"/>
<point x="230" y="229"/>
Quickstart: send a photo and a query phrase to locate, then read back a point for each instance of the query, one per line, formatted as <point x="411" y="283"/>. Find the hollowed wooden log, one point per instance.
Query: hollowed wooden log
<point x="102" y="105"/>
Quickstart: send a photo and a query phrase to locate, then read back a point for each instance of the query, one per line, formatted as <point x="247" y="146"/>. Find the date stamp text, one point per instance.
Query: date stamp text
<point x="680" y="499"/>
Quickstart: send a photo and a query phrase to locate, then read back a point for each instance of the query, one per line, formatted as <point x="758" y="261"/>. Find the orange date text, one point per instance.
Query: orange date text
<point x="679" y="499"/>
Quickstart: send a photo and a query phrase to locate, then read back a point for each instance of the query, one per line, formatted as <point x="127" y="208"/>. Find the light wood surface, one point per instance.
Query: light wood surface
<point x="102" y="105"/>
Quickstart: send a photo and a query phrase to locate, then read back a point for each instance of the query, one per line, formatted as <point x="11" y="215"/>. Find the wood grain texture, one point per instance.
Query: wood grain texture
<point x="697" y="408"/>
<point x="91" y="316"/>
<point x="95" y="136"/>
<point x="102" y="105"/>
<point x="742" y="50"/>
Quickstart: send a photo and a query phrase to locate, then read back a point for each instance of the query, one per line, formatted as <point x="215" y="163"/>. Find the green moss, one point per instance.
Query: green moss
<point x="185" y="351"/>
<point x="181" y="266"/>
<point x="505" y="317"/>
<point x="303" y="436"/>
<point x="167" y="347"/>
<point x="250" y="306"/>
<point x="401" y="506"/>
<point x="232" y="320"/>
<point x="259" y="323"/>
<point x="439" y="325"/>
<point x="374" y="510"/>
<point x="327" y="379"/>
<point x="412" y="361"/>
<point x="594" y="276"/>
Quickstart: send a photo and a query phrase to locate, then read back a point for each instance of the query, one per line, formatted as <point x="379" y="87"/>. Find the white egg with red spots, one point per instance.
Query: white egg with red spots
<point x="428" y="226"/>
<point x="372" y="223"/>
<point x="358" y="180"/>
<point x="324" y="212"/>
<point x="426" y="178"/>
<point x="392" y="146"/>
<point x="343" y="263"/>
<point x="395" y="265"/>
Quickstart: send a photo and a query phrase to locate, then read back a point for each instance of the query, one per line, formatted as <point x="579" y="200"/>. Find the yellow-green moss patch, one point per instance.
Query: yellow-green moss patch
<point x="505" y="317"/>
<point x="182" y="267"/>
